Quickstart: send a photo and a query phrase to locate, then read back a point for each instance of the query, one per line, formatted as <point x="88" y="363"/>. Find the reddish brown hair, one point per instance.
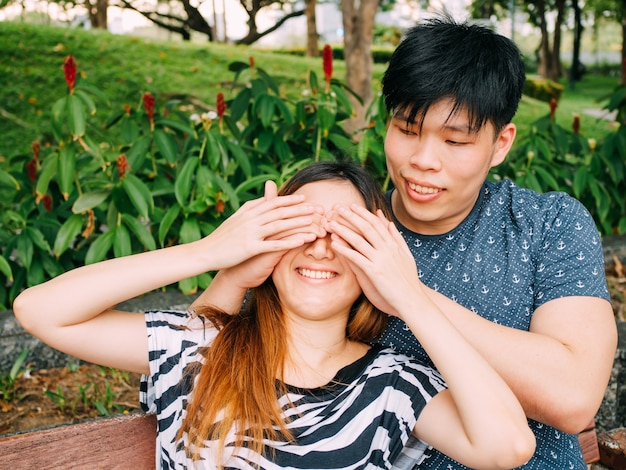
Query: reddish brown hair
<point x="238" y="380"/>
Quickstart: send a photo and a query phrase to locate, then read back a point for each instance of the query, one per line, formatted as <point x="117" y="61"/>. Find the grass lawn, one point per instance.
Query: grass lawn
<point x="123" y="67"/>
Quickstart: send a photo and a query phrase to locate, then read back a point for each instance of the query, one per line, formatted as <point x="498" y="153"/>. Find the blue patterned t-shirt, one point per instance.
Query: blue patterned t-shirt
<point x="515" y="251"/>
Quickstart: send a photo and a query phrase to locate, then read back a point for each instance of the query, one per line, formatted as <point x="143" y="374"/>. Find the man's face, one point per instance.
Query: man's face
<point x="438" y="171"/>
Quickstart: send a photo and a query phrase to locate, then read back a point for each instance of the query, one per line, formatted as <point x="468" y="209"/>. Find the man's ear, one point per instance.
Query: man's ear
<point x="503" y="144"/>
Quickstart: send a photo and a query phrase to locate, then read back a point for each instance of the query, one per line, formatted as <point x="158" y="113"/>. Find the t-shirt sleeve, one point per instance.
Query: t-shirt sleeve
<point x="570" y="260"/>
<point x="173" y="342"/>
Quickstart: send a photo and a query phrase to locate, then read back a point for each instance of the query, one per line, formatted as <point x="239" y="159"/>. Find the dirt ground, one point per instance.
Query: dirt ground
<point x="89" y="390"/>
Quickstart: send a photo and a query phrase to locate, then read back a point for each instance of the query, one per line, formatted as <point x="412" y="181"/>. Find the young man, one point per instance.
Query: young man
<point x="520" y="274"/>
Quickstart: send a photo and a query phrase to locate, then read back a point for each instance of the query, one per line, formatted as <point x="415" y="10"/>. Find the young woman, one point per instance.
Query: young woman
<point x="291" y="381"/>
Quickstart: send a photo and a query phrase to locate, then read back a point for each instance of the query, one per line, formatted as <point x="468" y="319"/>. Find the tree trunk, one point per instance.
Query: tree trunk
<point x="555" y="70"/>
<point x="358" y="30"/>
<point x="623" y="80"/>
<point x="544" y="59"/>
<point x="575" y="72"/>
<point x="312" y="47"/>
<point x="97" y="10"/>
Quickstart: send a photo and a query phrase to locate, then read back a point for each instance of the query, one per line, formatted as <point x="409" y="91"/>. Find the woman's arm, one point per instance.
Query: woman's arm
<point x="478" y="421"/>
<point x="75" y="311"/>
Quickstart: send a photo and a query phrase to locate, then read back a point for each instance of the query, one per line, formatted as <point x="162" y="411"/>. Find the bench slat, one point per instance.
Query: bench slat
<point x="118" y="442"/>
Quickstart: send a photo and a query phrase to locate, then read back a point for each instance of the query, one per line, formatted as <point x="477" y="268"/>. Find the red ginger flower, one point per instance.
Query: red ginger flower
<point x="36" y="147"/>
<point x="31" y="169"/>
<point x="148" y="105"/>
<point x="47" y="202"/>
<point x="576" y="124"/>
<point x="122" y="165"/>
<point x="69" y="69"/>
<point x="327" y="56"/>
<point x="553" y="105"/>
<point x="221" y="105"/>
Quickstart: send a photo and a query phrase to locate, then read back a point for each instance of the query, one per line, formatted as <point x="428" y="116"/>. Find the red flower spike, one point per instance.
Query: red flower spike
<point x="36" y="147"/>
<point x="553" y="105"/>
<point x="127" y="109"/>
<point x="90" y="224"/>
<point x="220" y="206"/>
<point x="251" y="62"/>
<point x="122" y="165"/>
<point x="576" y="124"/>
<point x="69" y="69"/>
<point x="47" y="202"/>
<point x="31" y="169"/>
<point x="327" y="56"/>
<point x="221" y="105"/>
<point x="148" y="105"/>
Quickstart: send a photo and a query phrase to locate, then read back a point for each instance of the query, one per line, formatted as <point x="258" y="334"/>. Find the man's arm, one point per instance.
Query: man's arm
<point x="559" y="369"/>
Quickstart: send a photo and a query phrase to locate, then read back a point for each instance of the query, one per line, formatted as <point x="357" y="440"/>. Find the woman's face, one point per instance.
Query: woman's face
<point x="312" y="281"/>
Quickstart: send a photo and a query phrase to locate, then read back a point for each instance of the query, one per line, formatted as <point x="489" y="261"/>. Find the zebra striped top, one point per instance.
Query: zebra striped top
<point x="360" y="420"/>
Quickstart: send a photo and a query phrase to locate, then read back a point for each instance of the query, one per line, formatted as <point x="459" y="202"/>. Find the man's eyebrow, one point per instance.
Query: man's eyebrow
<point x="463" y="128"/>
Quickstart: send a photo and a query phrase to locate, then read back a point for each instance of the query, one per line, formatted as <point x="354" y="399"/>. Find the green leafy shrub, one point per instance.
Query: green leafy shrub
<point x="155" y="174"/>
<point x="543" y="89"/>
<point x="162" y="171"/>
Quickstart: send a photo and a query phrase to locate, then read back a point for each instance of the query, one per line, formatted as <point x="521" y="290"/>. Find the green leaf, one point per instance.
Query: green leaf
<point x="5" y="268"/>
<point x="547" y="178"/>
<point x="264" y="108"/>
<point x="139" y="195"/>
<point x="59" y="112"/>
<point x="99" y="248"/>
<point x="136" y="154"/>
<point x="48" y="171"/>
<point x="617" y="98"/>
<point x="177" y="125"/>
<point x="184" y="181"/>
<point x="342" y="98"/>
<point x="188" y="286"/>
<point x="190" y="230"/>
<point x="76" y="115"/>
<point x="240" y="104"/>
<point x="166" y="222"/>
<point x="38" y="239"/>
<point x="6" y="179"/>
<point x="67" y="233"/>
<point x="89" y="200"/>
<point x="67" y="168"/>
<point x="91" y="89"/>
<point x="140" y="230"/>
<point x="269" y="81"/>
<point x="121" y="242"/>
<point x="87" y="101"/>
<point x="25" y="250"/>
<point x="228" y="189"/>
<point x="167" y="145"/>
<point x="241" y="157"/>
<point x="256" y="182"/>
<point x="34" y="274"/>
<point x="580" y="181"/>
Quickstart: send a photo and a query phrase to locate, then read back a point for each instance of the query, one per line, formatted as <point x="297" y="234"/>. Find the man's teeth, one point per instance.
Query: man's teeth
<point x="316" y="274"/>
<point x="423" y="189"/>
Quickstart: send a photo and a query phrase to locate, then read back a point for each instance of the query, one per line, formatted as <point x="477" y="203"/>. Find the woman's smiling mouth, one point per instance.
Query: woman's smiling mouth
<point x="314" y="274"/>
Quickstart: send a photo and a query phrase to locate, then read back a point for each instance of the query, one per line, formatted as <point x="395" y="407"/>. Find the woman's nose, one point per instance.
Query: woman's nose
<point x="320" y="248"/>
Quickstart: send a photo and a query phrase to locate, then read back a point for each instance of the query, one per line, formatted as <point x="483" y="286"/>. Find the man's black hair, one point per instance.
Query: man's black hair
<point x="480" y="71"/>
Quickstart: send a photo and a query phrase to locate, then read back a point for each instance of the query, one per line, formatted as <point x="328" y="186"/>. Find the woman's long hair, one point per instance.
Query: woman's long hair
<point x="237" y="383"/>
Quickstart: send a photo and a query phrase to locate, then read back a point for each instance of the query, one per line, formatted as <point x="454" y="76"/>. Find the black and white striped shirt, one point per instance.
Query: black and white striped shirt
<point x="360" y="420"/>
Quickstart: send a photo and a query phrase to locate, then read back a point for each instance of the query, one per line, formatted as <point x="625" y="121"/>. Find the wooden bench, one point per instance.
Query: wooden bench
<point x="120" y="442"/>
<point x="124" y="442"/>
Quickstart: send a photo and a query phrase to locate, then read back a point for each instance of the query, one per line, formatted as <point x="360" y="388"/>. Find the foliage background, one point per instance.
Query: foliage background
<point x="110" y="176"/>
